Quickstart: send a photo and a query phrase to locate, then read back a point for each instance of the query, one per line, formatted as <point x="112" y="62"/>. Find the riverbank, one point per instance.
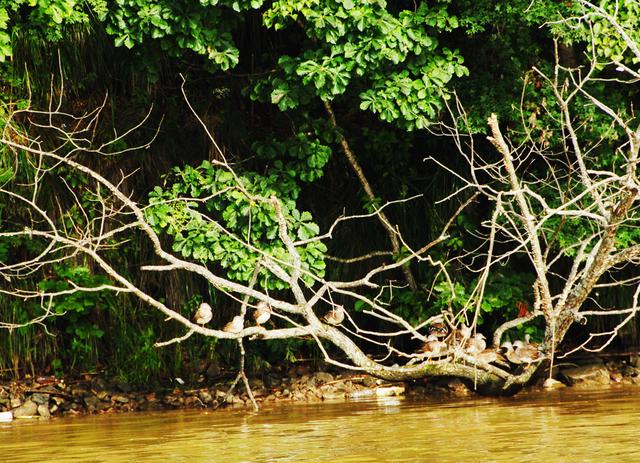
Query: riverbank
<point x="46" y="397"/>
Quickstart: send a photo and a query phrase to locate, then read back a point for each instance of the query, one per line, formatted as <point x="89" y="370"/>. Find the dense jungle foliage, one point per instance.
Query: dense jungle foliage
<point x="281" y="85"/>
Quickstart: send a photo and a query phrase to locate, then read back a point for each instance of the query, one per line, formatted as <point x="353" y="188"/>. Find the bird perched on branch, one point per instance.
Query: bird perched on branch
<point x="528" y="353"/>
<point x="521" y="353"/>
<point x="462" y="334"/>
<point x="439" y="329"/>
<point x="475" y="344"/>
<point x="203" y="314"/>
<point x="491" y="356"/>
<point x="262" y="313"/>
<point x="510" y="353"/>
<point x="335" y="316"/>
<point x="433" y="346"/>
<point x="234" y="326"/>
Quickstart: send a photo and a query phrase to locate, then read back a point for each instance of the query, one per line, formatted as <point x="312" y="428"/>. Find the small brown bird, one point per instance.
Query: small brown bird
<point x="491" y="356"/>
<point x="234" y="326"/>
<point x="527" y="353"/>
<point x="510" y="353"/>
<point x="335" y="316"/>
<point x="203" y="314"/>
<point x="433" y="346"/>
<point x="462" y="334"/>
<point x="476" y="344"/>
<point x="439" y="328"/>
<point x="262" y="313"/>
<point x="521" y="354"/>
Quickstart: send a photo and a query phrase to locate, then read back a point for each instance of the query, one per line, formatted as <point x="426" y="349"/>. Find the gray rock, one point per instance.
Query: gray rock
<point x="26" y="410"/>
<point x="234" y="399"/>
<point x="593" y="374"/>
<point x="120" y="399"/>
<point x="91" y="401"/>
<point x="323" y="377"/>
<point x="332" y="395"/>
<point x="40" y="399"/>
<point x="15" y="402"/>
<point x="369" y="381"/>
<point x="44" y="412"/>
<point x="78" y="391"/>
<point x="551" y="383"/>
<point x="98" y="384"/>
<point x="103" y="405"/>
<point x="192" y="401"/>
<point x="362" y="393"/>
<point x="389" y="391"/>
<point x="344" y="386"/>
<point x="456" y="386"/>
<point x="205" y="396"/>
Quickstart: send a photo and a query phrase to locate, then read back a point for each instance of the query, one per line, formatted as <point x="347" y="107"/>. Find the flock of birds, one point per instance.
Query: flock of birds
<point x="261" y="315"/>
<point x="441" y="343"/>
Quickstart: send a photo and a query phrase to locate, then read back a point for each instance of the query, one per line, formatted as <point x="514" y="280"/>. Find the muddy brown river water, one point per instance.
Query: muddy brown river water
<point x="568" y="425"/>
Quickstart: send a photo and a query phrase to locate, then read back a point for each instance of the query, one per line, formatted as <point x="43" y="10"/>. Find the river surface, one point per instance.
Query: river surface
<point x="560" y="426"/>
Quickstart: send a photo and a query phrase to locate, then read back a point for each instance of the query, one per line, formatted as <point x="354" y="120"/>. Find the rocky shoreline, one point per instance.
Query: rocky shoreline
<point x="47" y="397"/>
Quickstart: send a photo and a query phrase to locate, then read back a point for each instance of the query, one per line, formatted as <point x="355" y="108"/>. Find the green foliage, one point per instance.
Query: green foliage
<point x="501" y="295"/>
<point x="392" y="61"/>
<point x="203" y="27"/>
<point x="301" y="156"/>
<point x="506" y="295"/>
<point x="602" y="38"/>
<point x="143" y="358"/>
<point x="78" y="309"/>
<point x="46" y="18"/>
<point x="413" y="306"/>
<point x="244" y="219"/>
<point x="277" y="352"/>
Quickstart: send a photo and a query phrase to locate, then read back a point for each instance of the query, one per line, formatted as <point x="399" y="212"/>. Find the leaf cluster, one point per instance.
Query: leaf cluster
<point x="228" y="219"/>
